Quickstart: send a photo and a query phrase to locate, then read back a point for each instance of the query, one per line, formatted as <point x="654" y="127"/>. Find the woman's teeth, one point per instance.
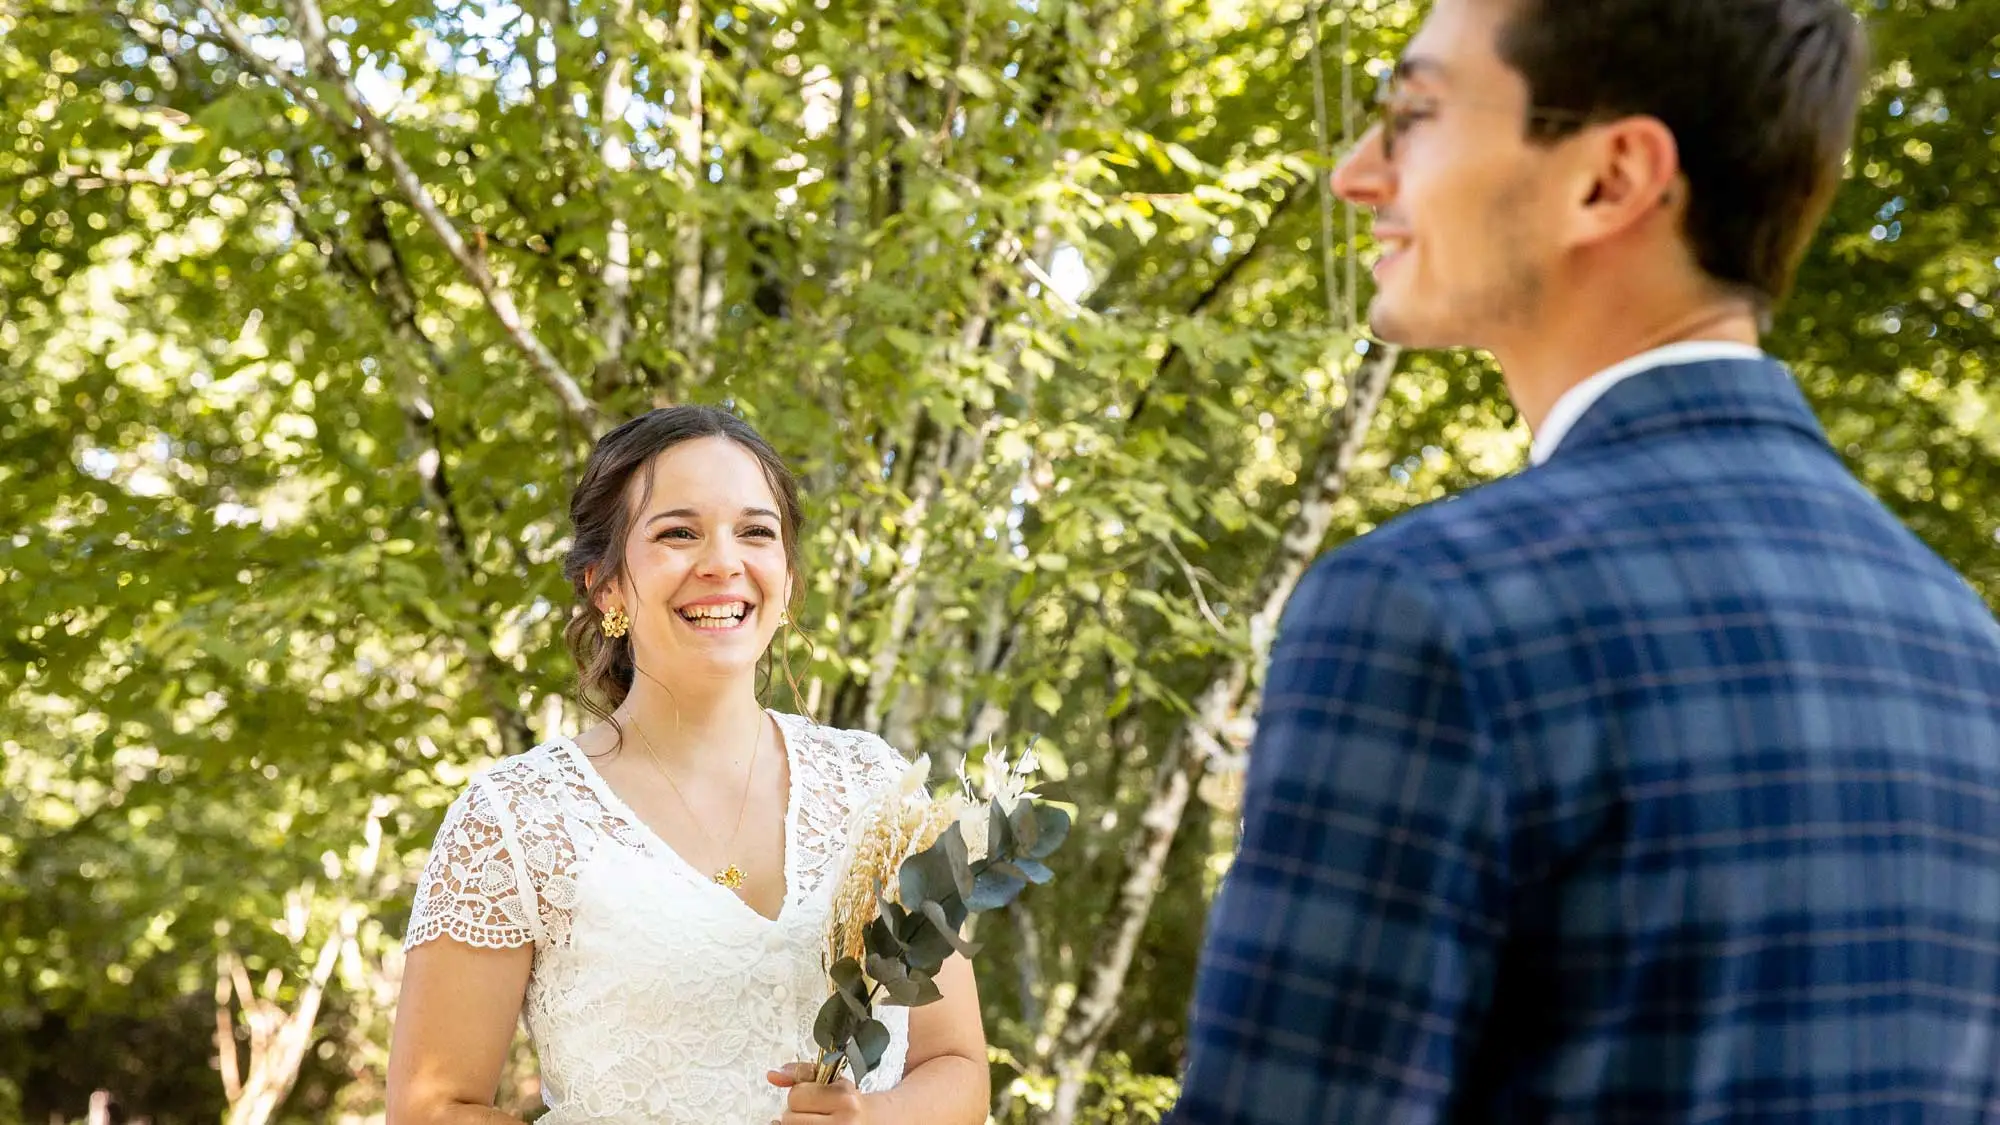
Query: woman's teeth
<point x="725" y="615"/>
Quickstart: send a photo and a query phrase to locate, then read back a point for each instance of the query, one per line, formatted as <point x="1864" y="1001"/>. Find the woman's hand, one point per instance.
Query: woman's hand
<point x="810" y="1103"/>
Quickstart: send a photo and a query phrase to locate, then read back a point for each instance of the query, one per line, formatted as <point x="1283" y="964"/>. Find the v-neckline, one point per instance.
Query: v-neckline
<point x="657" y="844"/>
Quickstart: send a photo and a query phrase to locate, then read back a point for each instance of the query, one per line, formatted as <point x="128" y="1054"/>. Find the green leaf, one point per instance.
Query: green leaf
<point x="927" y="948"/>
<point x="973" y="81"/>
<point x="857" y="1060"/>
<point x="939" y="871"/>
<point x="904" y="985"/>
<point x="835" y="1025"/>
<point x="949" y="930"/>
<point x="1024" y="588"/>
<point x="1047" y="698"/>
<point x="995" y="887"/>
<point x="884" y="937"/>
<point x="1052" y="825"/>
<point x="846" y="974"/>
<point x="1025" y="825"/>
<point x="999" y="831"/>
<point x="871" y="1042"/>
<point x="889" y="972"/>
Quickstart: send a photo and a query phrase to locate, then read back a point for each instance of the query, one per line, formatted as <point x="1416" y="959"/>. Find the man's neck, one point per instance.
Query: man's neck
<point x="1572" y="345"/>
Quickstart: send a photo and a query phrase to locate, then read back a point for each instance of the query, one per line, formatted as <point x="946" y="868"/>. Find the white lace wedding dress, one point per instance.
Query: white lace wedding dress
<point x="656" y="995"/>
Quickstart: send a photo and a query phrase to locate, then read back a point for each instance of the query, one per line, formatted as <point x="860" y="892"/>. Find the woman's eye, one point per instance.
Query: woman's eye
<point x="682" y="533"/>
<point x="760" y="532"/>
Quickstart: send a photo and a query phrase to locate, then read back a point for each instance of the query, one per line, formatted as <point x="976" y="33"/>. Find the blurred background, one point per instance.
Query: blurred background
<point x="307" y="318"/>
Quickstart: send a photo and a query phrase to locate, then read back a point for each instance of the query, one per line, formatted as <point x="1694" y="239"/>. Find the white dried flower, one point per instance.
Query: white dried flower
<point x="974" y="824"/>
<point x="1008" y="784"/>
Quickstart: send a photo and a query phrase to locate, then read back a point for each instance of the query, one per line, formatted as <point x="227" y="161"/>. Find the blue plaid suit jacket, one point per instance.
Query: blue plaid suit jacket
<point x="1658" y="784"/>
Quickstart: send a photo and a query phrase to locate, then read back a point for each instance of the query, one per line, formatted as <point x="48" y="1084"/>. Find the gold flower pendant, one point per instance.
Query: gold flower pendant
<point x="731" y="877"/>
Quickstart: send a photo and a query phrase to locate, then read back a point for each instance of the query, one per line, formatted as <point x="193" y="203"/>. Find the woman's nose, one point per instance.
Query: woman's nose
<point x="720" y="557"/>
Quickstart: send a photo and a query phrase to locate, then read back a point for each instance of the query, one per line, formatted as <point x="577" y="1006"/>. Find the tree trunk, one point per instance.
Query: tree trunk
<point x="614" y="322"/>
<point x="691" y="122"/>
<point x="279" y="1038"/>
<point x="1199" y="739"/>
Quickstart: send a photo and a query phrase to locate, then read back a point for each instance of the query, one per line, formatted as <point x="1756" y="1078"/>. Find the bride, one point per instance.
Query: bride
<point x="651" y="895"/>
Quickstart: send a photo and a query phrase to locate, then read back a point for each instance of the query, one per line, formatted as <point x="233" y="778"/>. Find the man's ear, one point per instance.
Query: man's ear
<point x="1631" y="173"/>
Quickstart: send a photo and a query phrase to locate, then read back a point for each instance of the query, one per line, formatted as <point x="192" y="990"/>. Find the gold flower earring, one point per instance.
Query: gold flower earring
<point x="615" y="624"/>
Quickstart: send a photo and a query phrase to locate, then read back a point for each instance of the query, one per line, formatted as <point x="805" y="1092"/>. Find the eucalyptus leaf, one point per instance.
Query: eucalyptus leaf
<point x="873" y="1039"/>
<point x="929" y="948"/>
<point x="938" y="872"/>
<point x="846" y="973"/>
<point x="1034" y="871"/>
<point x="997" y="886"/>
<point x="836" y="1023"/>
<point x="1052" y="826"/>
<point x="920" y="878"/>
<point x="999" y="830"/>
<point x="881" y="939"/>
<point x="857" y="1059"/>
<point x="948" y="931"/>
<point x="890" y="972"/>
<point x="957" y="860"/>
<point x="1026" y="825"/>
<point x="916" y="992"/>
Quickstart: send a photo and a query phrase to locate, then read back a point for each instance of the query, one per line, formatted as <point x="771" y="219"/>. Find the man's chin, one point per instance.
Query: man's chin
<point x="1394" y="322"/>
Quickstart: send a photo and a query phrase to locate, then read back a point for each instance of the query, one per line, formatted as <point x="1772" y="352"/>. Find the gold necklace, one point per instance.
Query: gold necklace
<point x="730" y="876"/>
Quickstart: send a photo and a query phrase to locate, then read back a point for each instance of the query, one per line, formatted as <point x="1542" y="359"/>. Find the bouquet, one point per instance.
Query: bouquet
<point x="919" y="865"/>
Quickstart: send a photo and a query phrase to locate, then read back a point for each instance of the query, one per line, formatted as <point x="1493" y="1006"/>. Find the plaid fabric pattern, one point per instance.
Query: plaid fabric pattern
<point x="1660" y="784"/>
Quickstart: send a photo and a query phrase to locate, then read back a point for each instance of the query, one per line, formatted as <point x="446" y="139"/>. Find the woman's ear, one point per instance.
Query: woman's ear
<point x="606" y="598"/>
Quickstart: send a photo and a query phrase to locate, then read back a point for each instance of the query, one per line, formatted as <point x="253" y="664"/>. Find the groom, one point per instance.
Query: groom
<point x="1659" y="783"/>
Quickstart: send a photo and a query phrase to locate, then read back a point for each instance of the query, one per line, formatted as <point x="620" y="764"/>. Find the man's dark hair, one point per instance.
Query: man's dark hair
<point x="1761" y="96"/>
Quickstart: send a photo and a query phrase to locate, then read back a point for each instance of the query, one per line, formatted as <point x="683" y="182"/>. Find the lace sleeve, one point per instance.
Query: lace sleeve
<point x="476" y="886"/>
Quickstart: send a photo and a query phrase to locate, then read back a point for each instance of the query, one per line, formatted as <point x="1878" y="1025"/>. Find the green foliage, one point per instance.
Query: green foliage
<point x="1119" y="1095"/>
<point x="1031" y="294"/>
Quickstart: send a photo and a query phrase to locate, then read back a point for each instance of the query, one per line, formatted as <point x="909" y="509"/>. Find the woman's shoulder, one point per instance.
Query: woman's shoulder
<point x="840" y="749"/>
<point x="529" y="769"/>
<point x="519" y="783"/>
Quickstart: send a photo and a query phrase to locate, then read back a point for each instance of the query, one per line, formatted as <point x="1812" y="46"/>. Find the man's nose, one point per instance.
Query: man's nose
<point x="1364" y="176"/>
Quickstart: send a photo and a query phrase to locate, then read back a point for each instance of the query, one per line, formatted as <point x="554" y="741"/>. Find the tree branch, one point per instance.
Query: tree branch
<point x="280" y="1038"/>
<point x="273" y="73"/>
<point x="690" y="123"/>
<point x="356" y="120"/>
<point x="615" y="318"/>
<point x="1213" y="291"/>
<point x="1200" y="737"/>
<point x="379" y="272"/>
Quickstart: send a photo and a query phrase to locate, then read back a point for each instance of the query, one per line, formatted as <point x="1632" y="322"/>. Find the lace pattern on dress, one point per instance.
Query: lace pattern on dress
<point x="472" y="885"/>
<point x="655" y="996"/>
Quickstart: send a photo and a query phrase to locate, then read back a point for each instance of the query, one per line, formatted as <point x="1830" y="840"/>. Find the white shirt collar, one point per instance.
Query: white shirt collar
<point x="1577" y="401"/>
